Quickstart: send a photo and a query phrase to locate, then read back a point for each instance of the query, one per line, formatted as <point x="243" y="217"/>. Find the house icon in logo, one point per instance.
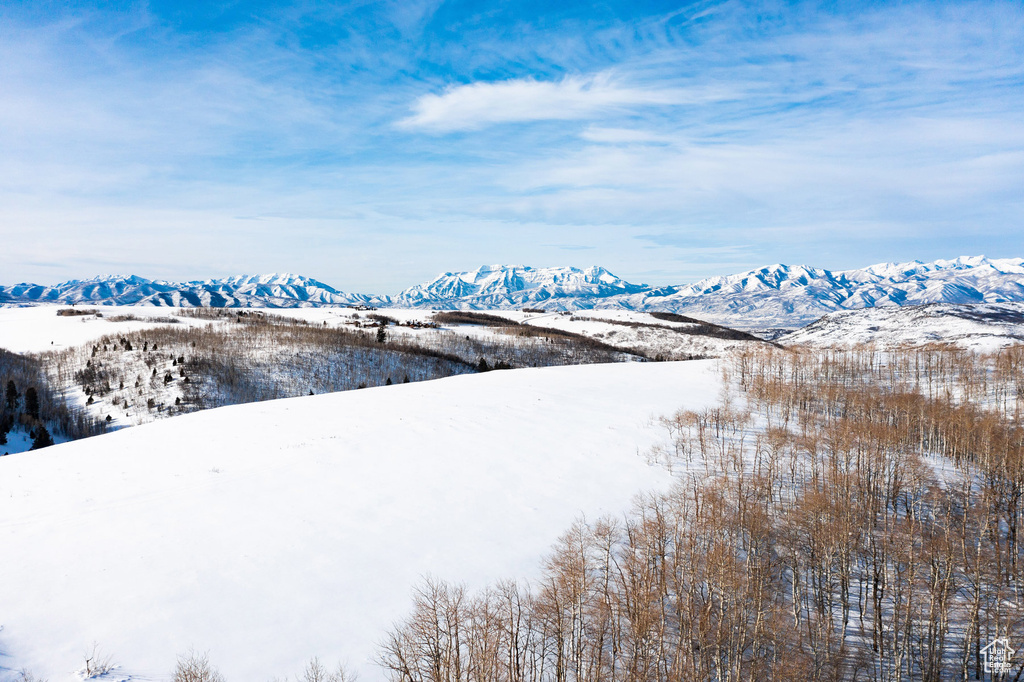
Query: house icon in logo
<point x="997" y="656"/>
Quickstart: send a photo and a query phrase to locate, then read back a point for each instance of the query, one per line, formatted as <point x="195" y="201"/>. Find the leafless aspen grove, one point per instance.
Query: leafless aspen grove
<point x="843" y="515"/>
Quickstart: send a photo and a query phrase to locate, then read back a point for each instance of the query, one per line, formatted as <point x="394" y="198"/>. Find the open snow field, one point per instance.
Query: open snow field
<point x="37" y="329"/>
<point x="272" y="532"/>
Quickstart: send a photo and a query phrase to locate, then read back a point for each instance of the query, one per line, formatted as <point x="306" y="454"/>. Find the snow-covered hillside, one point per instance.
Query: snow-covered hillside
<point x="274" y="532"/>
<point x="770" y="297"/>
<point x="984" y="326"/>
<point x="104" y="368"/>
<point x="642" y="331"/>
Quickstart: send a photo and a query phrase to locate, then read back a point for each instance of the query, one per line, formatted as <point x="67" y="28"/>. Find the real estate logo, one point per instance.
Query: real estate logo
<point x="997" y="656"/>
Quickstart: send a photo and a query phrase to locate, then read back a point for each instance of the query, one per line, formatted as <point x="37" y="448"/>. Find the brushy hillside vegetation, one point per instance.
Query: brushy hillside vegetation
<point x="248" y="356"/>
<point x="29" y="402"/>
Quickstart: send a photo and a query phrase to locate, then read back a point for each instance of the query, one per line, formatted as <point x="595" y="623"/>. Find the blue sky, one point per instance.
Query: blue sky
<point x="374" y="144"/>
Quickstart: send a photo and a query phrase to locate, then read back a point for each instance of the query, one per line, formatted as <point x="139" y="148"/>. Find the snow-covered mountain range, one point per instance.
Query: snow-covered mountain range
<point x="772" y="296"/>
<point x="244" y="291"/>
<point x="513" y="286"/>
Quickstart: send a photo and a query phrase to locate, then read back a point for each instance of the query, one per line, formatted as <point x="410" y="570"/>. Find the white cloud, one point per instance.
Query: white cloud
<point x="477" y="105"/>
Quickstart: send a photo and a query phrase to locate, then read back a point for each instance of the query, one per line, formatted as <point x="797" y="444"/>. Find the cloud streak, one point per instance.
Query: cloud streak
<point x="477" y="105"/>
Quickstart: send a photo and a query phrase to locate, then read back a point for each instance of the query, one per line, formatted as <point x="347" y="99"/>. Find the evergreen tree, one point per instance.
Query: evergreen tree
<point x="42" y="438"/>
<point x="32" y="402"/>
<point x="12" y="395"/>
<point x="6" y="422"/>
<point x="382" y="333"/>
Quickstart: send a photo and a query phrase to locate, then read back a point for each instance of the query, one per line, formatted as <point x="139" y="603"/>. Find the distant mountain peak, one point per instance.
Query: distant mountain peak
<point x="516" y="286"/>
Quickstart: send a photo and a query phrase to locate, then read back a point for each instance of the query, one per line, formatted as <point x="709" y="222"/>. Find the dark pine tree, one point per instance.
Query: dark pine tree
<point x="6" y="422"/>
<point x="42" y="438"/>
<point x="32" y="402"/>
<point x="11" y="395"/>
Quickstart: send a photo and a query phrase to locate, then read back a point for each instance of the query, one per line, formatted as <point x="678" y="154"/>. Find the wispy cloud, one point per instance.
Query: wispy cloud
<point x="477" y="105"/>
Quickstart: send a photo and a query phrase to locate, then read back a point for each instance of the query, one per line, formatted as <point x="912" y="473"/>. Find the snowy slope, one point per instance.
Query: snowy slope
<point x="983" y="326"/>
<point x="273" y="532"/>
<point x="39" y="328"/>
<point x="640" y="330"/>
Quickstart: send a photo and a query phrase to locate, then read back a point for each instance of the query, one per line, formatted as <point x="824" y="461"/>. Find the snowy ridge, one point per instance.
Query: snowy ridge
<point x="773" y="296"/>
<point x="978" y="326"/>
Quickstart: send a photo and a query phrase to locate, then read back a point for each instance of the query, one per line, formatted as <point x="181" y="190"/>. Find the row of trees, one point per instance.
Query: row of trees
<point x="843" y="515"/>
